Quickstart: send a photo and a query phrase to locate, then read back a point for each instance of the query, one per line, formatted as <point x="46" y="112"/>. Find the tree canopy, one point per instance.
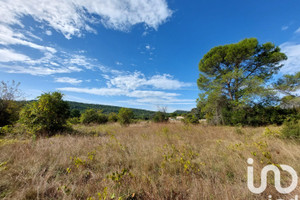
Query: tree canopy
<point x="236" y="74"/>
<point x="47" y="115"/>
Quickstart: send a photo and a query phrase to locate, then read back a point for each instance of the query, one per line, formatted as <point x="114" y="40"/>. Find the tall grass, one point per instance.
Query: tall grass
<point x="143" y="161"/>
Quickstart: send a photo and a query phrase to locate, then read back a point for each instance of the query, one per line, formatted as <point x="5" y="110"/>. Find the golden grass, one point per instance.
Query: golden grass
<point x="143" y="161"/>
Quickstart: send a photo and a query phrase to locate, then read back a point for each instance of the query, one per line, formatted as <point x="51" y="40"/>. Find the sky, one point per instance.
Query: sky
<point x="133" y="53"/>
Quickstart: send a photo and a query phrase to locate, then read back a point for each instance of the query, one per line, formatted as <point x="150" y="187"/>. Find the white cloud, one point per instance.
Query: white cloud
<point x="298" y="30"/>
<point x="121" y="92"/>
<point x="118" y="63"/>
<point x="141" y="97"/>
<point x="48" y="64"/>
<point x="13" y="37"/>
<point x="69" y="80"/>
<point x="138" y="79"/>
<point x="148" y="47"/>
<point x="48" y="32"/>
<point x="7" y="55"/>
<point x="72" y="17"/>
<point x="80" y="60"/>
<point x="37" y="70"/>
<point x="292" y="64"/>
<point x="95" y="91"/>
<point x="143" y="90"/>
<point x="166" y="82"/>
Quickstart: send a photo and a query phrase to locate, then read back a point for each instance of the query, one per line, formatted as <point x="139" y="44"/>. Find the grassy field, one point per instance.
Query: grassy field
<point x="143" y="161"/>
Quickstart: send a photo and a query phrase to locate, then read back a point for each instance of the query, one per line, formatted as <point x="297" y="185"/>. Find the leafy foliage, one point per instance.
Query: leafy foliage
<point x="160" y="117"/>
<point x="125" y="116"/>
<point x="75" y="113"/>
<point x="235" y="75"/>
<point x="93" y="116"/>
<point x="190" y="119"/>
<point x="112" y="117"/>
<point x="288" y="85"/>
<point x="46" y="115"/>
<point x="291" y="129"/>
<point x="138" y="113"/>
<point x="9" y="108"/>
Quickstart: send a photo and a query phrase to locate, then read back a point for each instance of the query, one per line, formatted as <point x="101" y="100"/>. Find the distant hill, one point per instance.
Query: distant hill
<point x="139" y="113"/>
<point x="180" y="112"/>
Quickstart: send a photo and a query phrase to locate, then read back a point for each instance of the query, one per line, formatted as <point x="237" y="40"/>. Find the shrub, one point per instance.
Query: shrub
<point x="6" y="129"/>
<point x="75" y="113"/>
<point x="102" y="118"/>
<point x="191" y="119"/>
<point x="9" y="112"/>
<point x="291" y="129"/>
<point x="125" y="116"/>
<point x="47" y="115"/>
<point x="89" y="116"/>
<point x="74" y="120"/>
<point x="93" y="116"/>
<point x="9" y="108"/>
<point x="112" y="117"/>
<point x="160" y="117"/>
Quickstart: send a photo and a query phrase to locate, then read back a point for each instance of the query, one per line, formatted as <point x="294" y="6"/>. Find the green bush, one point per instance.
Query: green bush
<point x="102" y="118"/>
<point x="112" y="117"/>
<point x="9" y="112"/>
<point x="291" y="129"/>
<point x="5" y="130"/>
<point x="9" y="107"/>
<point x="74" y="120"/>
<point x="75" y="113"/>
<point x="93" y="116"/>
<point x="191" y="119"/>
<point x="125" y="116"/>
<point x="48" y="115"/>
<point x="160" y="117"/>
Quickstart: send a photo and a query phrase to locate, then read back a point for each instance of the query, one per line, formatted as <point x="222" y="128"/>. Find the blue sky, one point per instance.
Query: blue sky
<point x="132" y="53"/>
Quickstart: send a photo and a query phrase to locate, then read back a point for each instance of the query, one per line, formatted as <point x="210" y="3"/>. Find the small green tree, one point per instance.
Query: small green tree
<point x="112" y="117"/>
<point x="48" y="115"/>
<point x="190" y="119"/>
<point x="125" y="116"/>
<point x="89" y="116"/>
<point x="160" y="117"/>
<point x="93" y="116"/>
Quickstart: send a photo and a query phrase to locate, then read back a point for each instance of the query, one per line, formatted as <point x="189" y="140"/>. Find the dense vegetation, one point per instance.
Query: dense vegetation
<point x="138" y="113"/>
<point x="237" y="87"/>
<point x="48" y="115"/>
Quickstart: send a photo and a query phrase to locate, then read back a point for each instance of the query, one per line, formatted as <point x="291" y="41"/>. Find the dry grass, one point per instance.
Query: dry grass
<point x="142" y="161"/>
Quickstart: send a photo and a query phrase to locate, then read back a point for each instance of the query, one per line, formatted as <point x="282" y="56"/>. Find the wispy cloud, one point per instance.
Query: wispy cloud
<point x="292" y="64"/>
<point x="14" y="37"/>
<point x="69" y="80"/>
<point x="298" y="30"/>
<point x="38" y="71"/>
<point x="118" y="63"/>
<point x="284" y="28"/>
<point x="8" y="55"/>
<point x="140" y="90"/>
<point x="132" y="81"/>
<point x="48" y="32"/>
<point x="73" y="17"/>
